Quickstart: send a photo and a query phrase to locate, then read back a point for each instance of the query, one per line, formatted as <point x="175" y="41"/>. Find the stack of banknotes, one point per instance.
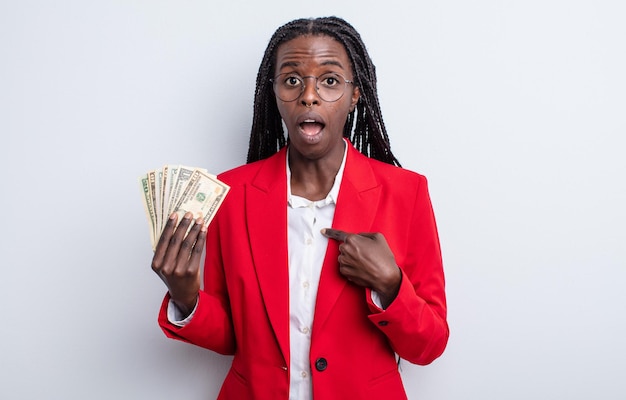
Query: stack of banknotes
<point x="179" y="189"/>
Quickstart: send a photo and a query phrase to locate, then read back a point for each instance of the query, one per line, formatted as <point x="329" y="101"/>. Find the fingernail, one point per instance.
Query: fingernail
<point x="188" y="215"/>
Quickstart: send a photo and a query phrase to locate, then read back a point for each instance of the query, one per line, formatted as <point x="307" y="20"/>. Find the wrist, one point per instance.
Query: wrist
<point x="186" y="306"/>
<point x="389" y="291"/>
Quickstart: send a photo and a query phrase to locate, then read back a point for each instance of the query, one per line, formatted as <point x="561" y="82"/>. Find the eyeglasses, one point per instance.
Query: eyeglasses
<point x="330" y="87"/>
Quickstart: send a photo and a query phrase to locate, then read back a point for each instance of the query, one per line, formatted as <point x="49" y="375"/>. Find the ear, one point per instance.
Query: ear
<point x="356" y="93"/>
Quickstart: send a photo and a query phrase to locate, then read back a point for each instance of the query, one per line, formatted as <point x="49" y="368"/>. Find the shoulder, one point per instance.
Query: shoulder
<point x="246" y="173"/>
<point x="386" y="174"/>
<point x="240" y="173"/>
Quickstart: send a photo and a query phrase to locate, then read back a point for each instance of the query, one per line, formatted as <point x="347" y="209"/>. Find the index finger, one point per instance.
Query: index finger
<point x="164" y="238"/>
<point x="335" y="234"/>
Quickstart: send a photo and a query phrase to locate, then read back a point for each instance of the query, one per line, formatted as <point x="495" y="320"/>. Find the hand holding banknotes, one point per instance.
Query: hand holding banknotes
<point x="177" y="259"/>
<point x="192" y="196"/>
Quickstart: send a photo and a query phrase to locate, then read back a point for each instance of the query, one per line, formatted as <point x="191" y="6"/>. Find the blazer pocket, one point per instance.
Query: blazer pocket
<point x="391" y="377"/>
<point x="238" y="375"/>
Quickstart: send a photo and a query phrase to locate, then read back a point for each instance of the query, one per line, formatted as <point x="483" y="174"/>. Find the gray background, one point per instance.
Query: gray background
<point x="513" y="109"/>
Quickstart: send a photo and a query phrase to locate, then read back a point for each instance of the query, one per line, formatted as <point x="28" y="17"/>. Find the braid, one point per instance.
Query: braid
<point x="369" y="135"/>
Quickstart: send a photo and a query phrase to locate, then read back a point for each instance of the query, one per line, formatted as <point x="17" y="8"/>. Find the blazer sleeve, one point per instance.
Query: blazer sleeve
<point x="211" y="326"/>
<point x="415" y="322"/>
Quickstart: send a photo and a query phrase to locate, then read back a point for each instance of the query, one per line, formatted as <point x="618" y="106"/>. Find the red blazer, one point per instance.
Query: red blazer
<point x="244" y="306"/>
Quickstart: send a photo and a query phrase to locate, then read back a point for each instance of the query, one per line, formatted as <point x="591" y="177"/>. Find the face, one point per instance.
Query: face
<point x="315" y="126"/>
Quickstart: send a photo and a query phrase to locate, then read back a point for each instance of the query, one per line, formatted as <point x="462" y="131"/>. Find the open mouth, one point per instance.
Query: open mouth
<point x="311" y="127"/>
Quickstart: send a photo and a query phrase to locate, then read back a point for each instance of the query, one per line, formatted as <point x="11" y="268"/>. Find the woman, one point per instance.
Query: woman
<point x="306" y="310"/>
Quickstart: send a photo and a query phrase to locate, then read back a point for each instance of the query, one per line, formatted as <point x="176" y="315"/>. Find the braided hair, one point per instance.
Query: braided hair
<point x="369" y="136"/>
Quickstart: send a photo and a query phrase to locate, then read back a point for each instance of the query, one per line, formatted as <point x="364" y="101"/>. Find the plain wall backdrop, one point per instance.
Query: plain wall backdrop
<point x="514" y="110"/>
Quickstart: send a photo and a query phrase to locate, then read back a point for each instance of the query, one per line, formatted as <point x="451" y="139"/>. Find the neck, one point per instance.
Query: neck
<point x="313" y="179"/>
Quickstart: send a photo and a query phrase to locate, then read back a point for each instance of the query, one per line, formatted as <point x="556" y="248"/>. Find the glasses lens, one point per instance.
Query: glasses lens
<point x="288" y="86"/>
<point x="329" y="87"/>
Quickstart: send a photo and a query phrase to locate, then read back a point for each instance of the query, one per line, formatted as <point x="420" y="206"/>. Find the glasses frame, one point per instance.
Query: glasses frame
<point x="275" y="81"/>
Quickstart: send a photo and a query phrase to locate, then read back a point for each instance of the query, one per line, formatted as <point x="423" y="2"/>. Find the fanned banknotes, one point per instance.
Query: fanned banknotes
<point x="177" y="188"/>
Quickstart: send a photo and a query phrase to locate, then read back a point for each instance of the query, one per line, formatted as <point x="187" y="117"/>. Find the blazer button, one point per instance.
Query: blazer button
<point x="321" y="364"/>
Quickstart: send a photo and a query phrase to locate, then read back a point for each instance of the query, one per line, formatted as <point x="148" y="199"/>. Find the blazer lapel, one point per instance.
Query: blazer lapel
<point x="266" y="212"/>
<point x="355" y="210"/>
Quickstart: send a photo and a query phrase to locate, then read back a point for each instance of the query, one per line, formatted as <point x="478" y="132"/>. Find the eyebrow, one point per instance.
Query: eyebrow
<point x="332" y="62"/>
<point x="289" y="64"/>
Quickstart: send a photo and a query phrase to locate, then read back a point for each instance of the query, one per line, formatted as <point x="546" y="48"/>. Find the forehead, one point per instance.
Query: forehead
<point x="312" y="51"/>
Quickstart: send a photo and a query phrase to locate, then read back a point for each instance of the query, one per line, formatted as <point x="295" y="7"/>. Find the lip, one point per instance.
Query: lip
<point x="313" y="118"/>
<point x="310" y="117"/>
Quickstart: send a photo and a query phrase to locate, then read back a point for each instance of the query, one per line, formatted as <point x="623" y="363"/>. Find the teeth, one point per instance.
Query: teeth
<point x="309" y="120"/>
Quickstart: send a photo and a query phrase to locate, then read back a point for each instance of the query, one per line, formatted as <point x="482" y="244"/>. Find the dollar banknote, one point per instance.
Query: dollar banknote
<point x="179" y="189"/>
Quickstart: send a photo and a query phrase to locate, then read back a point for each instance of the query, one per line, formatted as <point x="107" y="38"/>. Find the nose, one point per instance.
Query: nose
<point x="309" y="95"/>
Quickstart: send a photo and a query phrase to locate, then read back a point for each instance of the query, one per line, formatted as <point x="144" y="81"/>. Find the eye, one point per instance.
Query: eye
<point x="292" y="81"/>
<point x="330" y="80"/>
